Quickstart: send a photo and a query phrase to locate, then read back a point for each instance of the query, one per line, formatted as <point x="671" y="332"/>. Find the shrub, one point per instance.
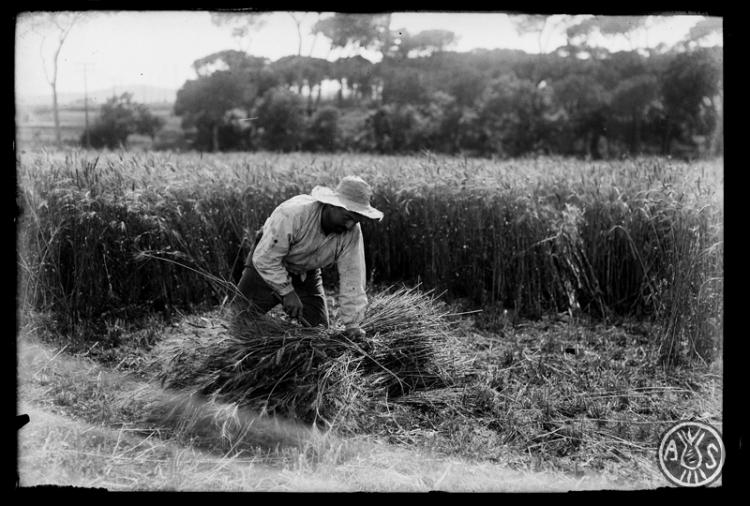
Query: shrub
<point x="119" y="118"/>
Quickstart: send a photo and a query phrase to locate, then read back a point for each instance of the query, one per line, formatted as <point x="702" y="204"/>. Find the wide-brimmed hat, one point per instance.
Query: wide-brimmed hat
<point x="352" y="193"/>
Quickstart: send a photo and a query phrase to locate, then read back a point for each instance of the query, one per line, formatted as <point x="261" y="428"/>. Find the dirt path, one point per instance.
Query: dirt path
<point x="58" y="450"/>
<point x="76" y="438"/>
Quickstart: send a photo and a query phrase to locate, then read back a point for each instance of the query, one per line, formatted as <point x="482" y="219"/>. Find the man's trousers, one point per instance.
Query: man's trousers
<point x="262" y="298"/>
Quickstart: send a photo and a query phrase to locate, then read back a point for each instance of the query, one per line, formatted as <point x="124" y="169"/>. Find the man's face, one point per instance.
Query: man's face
<point x="339" y="220"/>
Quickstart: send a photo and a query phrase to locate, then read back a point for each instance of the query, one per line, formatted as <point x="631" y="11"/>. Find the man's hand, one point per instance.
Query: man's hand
<point x="354" y="332"/>
<point x="292" y="304"/>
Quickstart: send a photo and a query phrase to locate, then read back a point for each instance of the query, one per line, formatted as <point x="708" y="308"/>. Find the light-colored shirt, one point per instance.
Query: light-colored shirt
<point x="293" y="241"/>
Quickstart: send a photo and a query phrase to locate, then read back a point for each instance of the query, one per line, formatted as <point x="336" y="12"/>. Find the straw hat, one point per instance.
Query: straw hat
<point x="352" y="193"/>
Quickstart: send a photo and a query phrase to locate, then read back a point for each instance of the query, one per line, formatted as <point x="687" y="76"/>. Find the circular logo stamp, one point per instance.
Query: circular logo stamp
<point x="691" y="454"/>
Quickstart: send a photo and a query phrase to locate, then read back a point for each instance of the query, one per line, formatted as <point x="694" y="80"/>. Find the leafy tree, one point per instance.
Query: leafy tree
<point x="583" y="102"/>
<point x="378" y="125"/>
<point x="235" y="61"/>
<point x="424" y="43"/>
<point x="298" y="71"/>
<point x="323" y="132"/>
<point x="443" y="115"/>
<point x="408" y="128"/>
<point x="281" y="121"/>
<point x="619" y="67"/>
<point x="690" y="85"/>
<point x="235" y="132"/>
<point x="355" y="73"/>
<point x="251" y="71"/>
<point x="471" y="137"/>
<point x="120" y="117"/>
<point x="358" y="31"/>
<point x="481" y="102"/>
<point x="631" y="100"/>
<point x="466" y="85"/>
<point x="289" y="70"/>
<point x="403" y="85"/>
<point x="607" y="26"/>
<point x="204" y="103"/>
<point x="433" y="41"/>
<point x="509" y="110"/>
<point x="313" y="72"/>
<point x="398" y="128"/>
<point x="629" y="27"/>
<point x="242" y="23"/>
<point x="625" y="26"/>
<point x="146" y="122"/>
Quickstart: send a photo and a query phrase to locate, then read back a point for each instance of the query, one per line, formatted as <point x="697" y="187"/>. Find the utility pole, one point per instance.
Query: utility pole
<point x="86" y="107"/>
<point x="86" y="103"/>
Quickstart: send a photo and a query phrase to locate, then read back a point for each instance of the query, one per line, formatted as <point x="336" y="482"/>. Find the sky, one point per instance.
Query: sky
<point x="157" y="48"/>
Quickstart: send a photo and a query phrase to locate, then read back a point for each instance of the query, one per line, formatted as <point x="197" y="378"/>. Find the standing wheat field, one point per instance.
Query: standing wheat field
<point x="579" y="305"/>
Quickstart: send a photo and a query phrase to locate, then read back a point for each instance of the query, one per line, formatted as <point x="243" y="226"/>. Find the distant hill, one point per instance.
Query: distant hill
<point x="141" y="93"/>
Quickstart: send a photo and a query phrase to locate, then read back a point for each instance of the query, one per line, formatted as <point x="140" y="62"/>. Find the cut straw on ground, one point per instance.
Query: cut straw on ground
<point x="316" y="375"/>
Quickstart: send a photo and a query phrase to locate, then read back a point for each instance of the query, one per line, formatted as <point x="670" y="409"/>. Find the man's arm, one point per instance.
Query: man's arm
<point x="271" y="250"/>
<point x="352" y="280"/>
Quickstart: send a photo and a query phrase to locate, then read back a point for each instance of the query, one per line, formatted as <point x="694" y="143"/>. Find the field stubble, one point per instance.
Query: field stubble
<point x="552" y="405"/>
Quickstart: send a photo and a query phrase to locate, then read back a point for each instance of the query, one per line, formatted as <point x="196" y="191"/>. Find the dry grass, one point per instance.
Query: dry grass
<point x="535" y="416"/>
<point x="570" y="395"/>
<point x="62" y="445"/>
<point x="316" y="375"/>
<point x="56" y="450"/>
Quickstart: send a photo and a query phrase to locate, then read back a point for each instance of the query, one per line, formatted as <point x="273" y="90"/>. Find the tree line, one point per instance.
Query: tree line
<point x="578" y="100"/>
<point x="504" y="103"/>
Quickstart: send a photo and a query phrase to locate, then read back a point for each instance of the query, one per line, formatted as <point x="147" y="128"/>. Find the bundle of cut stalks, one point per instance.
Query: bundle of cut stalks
<point x="317" y="374"/>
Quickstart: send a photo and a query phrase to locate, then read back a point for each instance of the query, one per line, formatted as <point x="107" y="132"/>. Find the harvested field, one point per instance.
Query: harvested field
<point x="549" y="319"/>
<point x="577" y="401"/>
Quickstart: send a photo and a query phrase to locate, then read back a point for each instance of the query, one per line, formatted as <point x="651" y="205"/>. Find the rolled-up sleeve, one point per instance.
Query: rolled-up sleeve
<point x="352" y="280"/>
<point x="271" y="250"/>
